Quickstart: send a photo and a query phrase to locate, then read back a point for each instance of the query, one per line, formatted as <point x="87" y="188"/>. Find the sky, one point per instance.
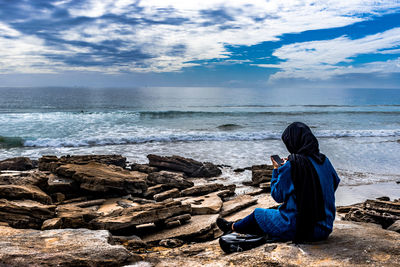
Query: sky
<point x="129" y="43"/>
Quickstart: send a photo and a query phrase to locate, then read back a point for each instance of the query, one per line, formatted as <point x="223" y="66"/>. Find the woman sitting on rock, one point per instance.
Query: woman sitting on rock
<point x="305" y="184"/>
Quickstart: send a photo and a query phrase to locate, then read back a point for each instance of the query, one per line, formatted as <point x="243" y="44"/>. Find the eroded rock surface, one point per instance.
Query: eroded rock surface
<point x="261" y="173"/>
<point x="51" y="163"/>
<point x="63" y="247"/>
<point x="190" y="167"/>
<point x="24" y="192"/>
<point x="169" y="179"/>
<point x="350" y="244"/>
<point x="97" y="177"/>
<point x="17" y="164"/>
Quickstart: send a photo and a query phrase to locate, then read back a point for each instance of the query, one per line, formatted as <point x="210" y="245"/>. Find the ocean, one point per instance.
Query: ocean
<point x="358" y="129"/>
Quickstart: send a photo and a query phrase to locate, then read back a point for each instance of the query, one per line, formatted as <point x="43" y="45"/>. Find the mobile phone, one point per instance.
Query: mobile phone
<point x="277" y="159"/>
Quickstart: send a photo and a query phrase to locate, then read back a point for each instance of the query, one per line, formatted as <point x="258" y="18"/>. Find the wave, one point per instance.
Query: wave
<point x="9" y="142"/>
<point x="197" y="137"/>
<point x="178" y="114"/>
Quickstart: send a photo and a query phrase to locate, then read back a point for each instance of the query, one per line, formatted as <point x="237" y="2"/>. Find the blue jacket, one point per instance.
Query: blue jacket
<point x="281" y="223"/>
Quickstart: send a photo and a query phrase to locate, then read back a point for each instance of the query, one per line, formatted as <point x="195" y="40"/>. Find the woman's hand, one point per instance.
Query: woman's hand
<point x="274" y="163"/>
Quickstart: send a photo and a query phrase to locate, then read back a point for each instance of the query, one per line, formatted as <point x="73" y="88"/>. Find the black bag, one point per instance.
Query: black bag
<point x="235" y="242"/>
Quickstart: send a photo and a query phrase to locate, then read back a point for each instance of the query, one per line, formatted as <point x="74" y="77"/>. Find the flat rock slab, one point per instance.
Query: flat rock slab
<point x="51" y="163"/>
<point x="97" y="177"/>
<point x="350" y="244"/>
<point x="208" y="204"/>
<point x="236" y="204"/>
<point x="61" y="247"/>
<point x="24" y="192"/>
<point x="198" y="225"/>
<point x="264" y="201"/>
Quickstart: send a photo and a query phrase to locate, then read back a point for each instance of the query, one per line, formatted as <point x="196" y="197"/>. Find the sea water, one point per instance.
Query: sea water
<point x="358" y="129"/>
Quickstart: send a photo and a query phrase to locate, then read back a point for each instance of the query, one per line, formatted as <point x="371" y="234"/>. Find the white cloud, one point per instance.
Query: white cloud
<point x="199" y="36"/>
<point x="321" y="59"/>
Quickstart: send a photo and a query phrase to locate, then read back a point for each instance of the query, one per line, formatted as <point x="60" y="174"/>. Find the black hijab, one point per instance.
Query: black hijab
<point x="301" y="143"/>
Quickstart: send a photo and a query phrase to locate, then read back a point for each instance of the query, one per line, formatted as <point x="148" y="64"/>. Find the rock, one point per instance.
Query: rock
<point x="75" y="217"/>
<point x="142" y="214"/>
<point x="350" y="244"/>
<point x="171" y="243"/>
<point x="199" y="190"/>
<point x="35" y="178"/>
<point x="395" y="226"/>
<point x="51" y="163"/>
<point x="169" y="179"/>
<point x="181" y="218"/>
<point x="239" y="170"/>
<point x="24" y="192"/>
<point x="152" y="190"/>
<point x="143" y="168"/>
<point x="25" y="213"/>
<point x="190" y="167"/>
<point x="62" y="247"/>
<point x="261" y="173"/>
<point x="167" y="194"/>
<point x="198" y="225"/>
<point x="59" y="184"/>
<point x="241" y="202"/>
<point x="380" y="212"/>
<point x="208" y="204"/>
<point x="58" y="197"/>
<point x="55" y="223"/>
<point x="97" y="177"/>
<point x="89" y="203"/>
<point x="132" y="242"/>
<point x="266" y="186"/>
<point x="256" y="192"/>
<point x="17" y="164"/>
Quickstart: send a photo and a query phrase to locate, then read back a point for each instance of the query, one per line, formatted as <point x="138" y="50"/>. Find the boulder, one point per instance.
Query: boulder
<point x="25" y="213"/>
<point x="62" y="247"/>
<point x="197" y="226"/>
<point x="146" y="168"/>
<point x="142" y="214"/>
<point x="17" y="164"/>
<point x="208" y="204"/>
<point x="54" y="223"/>
<point x="261" y="173"/>
<point x="167" y="194"/>
<point x="236" y="204"/>
<point x="169" y="179"/>
<point x="97" y="177"/>
<point x="190" y="167"/>
<point x="51" y="163"/>
<point x="24" y="192"/>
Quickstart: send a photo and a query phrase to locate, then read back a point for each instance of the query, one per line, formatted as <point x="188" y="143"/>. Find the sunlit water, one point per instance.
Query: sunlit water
<point x="358" y="129"/>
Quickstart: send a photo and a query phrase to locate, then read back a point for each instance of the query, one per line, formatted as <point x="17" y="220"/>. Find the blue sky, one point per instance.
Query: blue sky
<point x="125" y="43"/>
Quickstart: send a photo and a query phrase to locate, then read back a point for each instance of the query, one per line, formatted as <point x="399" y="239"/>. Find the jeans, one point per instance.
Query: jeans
<point x="248" y="225"/>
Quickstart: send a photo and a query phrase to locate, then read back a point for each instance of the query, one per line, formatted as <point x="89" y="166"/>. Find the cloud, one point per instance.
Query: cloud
<point x="325" y="59"/>
<point x="115" y="36"/>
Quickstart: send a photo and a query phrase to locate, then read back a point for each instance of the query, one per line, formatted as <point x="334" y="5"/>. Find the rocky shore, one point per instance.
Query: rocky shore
<point x="99" y="210"/>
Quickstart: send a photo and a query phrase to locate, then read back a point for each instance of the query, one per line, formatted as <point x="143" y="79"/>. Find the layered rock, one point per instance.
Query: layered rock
<point x="97" y="177"/>
<point x="236" y="204"/>
<point x="64" y="247"/>
<point x="199" y="190"/>
<point x="208" y="204"/>
<point x="261" y="173"/>
<point x="169" y="179"/>
<point x="196" y="227"/>
<point x="25" y="213"/>
<point x="17" y="164"/>
<point x="146" y="168"/>
<point x="33" y="177"/>
<point x="51" y="163"/>
<point x="143" y="214"/>
<point x="24" y="192"/>
<point x="190" y="167"/>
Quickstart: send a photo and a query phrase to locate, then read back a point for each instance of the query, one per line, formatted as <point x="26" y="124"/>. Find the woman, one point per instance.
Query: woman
<point x="305" y="184"/>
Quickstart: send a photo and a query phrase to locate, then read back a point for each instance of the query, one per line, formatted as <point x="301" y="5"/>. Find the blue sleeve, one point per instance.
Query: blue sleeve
<point x="281" y="183"/>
